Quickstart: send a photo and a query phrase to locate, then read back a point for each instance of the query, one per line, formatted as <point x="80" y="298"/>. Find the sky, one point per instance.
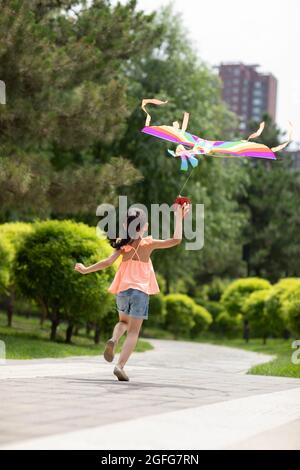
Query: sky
<point x="265" y="32"/>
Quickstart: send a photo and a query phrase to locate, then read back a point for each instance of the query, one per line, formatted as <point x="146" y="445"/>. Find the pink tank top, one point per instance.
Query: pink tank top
<point x="135" y="274"/>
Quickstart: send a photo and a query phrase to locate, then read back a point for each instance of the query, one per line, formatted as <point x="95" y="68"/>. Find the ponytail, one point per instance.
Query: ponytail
<point x="132" y="215"/>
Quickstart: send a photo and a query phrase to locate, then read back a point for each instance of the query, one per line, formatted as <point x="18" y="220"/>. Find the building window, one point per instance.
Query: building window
<point x="257" y="102"/>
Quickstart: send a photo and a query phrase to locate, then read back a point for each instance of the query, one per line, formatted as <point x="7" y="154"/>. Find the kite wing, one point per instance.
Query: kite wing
<point x="242" y="148"/>
<point x="171" y="134"/>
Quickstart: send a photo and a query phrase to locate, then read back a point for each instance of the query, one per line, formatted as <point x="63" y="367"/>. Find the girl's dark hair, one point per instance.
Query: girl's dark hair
<point x="132" y="215"/>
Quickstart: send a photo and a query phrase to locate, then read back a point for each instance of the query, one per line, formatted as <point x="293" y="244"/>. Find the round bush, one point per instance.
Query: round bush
<point x="45" y="272"/>
<point x="157" y="311"/>
<point x="179" y="314"/>
<point x="238" y="291"/>
<point x="13" y="235"/>
<point x="215" y="289"/>
<point x="292" y="308"/>
<point x="228" y="325"/>
<point x="276" y="303"/>
<point x="202" y="319"/>
<point x="6" y="257"/>
<point x="261" y="325"/>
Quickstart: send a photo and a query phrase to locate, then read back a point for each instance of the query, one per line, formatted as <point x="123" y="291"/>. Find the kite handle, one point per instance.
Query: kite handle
<point x="150" y="101"/>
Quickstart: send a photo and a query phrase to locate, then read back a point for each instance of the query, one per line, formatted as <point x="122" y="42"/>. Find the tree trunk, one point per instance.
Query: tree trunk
<point x="69" y="333"/>
<point x="88" y="329"/>
<point x="264" y="340"/>
<point x="76" y="331"/>
<point x="54" y="325"/>
<point x="97" y="335"/>
<point x="10" y="310"/>
<point x="44" y="313"/>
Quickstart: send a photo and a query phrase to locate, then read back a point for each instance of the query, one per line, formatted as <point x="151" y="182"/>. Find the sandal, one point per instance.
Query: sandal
<point x="109" y="352"/>
<point x="120" y="374"/>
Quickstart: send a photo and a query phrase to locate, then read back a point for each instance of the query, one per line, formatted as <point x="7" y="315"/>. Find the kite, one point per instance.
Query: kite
<point x="190" y="146"/>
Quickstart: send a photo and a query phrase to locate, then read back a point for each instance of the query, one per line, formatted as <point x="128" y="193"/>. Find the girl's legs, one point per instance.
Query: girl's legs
<point x="133" y="329"/>
<point x="119" y="330"/>
<point x="121" y="327"/>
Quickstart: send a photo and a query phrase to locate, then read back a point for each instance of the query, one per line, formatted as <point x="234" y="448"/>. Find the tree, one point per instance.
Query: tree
<point x="14" y="235"/>
<point x="271" y="198"/>
<point x="45" y="272"/>
<point x="64" y="65"/>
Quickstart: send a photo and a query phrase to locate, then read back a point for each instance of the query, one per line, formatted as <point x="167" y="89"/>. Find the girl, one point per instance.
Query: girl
<point x="134" y="281"/>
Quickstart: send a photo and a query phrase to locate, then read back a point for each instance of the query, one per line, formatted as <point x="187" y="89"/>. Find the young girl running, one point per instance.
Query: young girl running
<point x="134" y="281"/>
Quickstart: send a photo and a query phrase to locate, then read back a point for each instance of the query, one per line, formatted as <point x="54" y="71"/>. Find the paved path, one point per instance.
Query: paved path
<point x="181" y="395"/>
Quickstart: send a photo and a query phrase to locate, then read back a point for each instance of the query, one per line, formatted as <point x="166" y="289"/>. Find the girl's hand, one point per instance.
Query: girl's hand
<point x="80" y="268"/>
<point x="182" y="211"/>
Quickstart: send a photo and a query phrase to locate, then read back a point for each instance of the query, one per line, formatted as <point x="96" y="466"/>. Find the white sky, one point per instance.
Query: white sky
<point x="265" y="32"/>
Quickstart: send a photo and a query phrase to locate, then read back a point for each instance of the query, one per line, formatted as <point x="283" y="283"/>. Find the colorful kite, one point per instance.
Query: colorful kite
<point x="190" y="146"/>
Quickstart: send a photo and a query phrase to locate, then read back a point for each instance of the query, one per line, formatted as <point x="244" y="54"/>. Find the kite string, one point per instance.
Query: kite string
<point x="186" y="181"/>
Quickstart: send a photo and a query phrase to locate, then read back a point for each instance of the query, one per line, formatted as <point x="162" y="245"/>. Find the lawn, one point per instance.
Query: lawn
<point x="27" y="339"/>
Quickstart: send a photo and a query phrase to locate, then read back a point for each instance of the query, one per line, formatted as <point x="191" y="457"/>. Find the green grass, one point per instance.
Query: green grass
<point x="27" y="339"/>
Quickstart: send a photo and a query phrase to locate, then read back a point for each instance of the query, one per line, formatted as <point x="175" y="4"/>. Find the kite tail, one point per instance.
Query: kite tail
<point x="150" y="101"/>
<point x="285" y="144"/>
<point x="258" y="132"/>
<point x="193" y="161"/>
<point x="184" y="163"/>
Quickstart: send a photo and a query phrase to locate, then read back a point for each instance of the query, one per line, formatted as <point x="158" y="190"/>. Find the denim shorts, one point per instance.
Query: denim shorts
<point x="134" y="303"/>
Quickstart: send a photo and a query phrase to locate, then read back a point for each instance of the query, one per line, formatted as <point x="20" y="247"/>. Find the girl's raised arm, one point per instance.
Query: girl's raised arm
<point x="180" y="213"/>
<point x="105" y="263"/>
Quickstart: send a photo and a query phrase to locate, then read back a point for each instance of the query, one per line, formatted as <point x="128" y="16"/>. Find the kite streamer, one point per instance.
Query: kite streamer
<point x="150" y="101"/>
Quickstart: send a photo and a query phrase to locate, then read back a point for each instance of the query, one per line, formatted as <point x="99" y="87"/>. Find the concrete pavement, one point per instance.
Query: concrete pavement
<point x="181" y="395"/>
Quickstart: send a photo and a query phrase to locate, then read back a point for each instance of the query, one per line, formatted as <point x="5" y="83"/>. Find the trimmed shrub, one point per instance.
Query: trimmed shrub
<point x="215" y="289"/>
<point x="44" y="272"/>
<point x="202" y="319"/>
<point x="179" y="314"/>
<point x="261" y="325"/>
<point x="228" y="325"/>
<point x="292" y="309"/>
<point x="5" y="263"/>
<point x="14" y="234"/>
<point x="214" y="308"/>
<point x="157" y="311"/>
<point x="238" y="291"/>
<point x="277" y="302"/>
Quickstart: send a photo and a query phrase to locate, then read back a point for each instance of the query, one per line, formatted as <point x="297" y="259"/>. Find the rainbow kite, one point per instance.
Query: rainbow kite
<point x="190" y="146"/>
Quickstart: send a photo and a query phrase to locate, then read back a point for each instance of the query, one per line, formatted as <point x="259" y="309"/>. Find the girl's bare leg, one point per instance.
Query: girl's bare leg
<point x="121" y="327"/>
<point x="119" y="330"/>
<point x="133" y="330"/>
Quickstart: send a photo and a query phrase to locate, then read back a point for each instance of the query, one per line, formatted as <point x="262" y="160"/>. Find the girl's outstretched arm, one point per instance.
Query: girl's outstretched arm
<point x="105" y="263"/>
<point x="180" y="213"/>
